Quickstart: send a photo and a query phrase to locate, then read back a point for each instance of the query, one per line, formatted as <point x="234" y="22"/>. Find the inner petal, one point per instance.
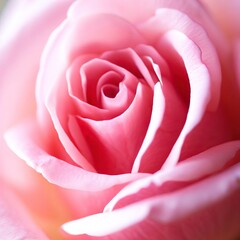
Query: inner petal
<point x="108" y="85"/>
<point x="96" y="73"/>
<point x="110" y="91"/>
<point x="115" y="143"/>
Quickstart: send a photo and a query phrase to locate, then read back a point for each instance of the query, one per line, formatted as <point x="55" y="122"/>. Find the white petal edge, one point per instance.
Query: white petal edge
<point x="160" y="209"/>
<point x="193" y="168"/>
<point x="156" y="119"/>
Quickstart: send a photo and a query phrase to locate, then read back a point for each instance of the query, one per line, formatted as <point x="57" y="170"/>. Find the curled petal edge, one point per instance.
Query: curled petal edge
<point x="162" y="209"/>
<point x="25" y="141"/>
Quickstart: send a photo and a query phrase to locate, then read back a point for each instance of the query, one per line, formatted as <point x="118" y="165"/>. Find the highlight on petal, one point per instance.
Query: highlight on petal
<point x="155" y="122"/>
<point x="107" y="223"/>
<point x="191" y="170"/>
<point x="165" y="132"/>
<point x="200" y="83"/>
<point x="170" y="20"/>
<point x="26" y="142"/>
<point x="162" y="209"/>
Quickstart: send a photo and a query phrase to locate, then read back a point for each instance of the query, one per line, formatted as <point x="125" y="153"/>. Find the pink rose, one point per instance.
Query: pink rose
<point x="126" y="108"/>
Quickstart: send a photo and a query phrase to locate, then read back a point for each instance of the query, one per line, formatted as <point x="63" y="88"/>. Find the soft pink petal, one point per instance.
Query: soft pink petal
<point x="107" y="223"/>
<point x="124" y="9"/>
<point x="112" y="142"/>
<point x="208" y="131"/>
<point x="166" y="132"/>
<point x="153" y="61"/>
<point x="197" y="196"/>
<point x="158" y="110"/>
<point x="133" y="61"/>
<point x="164" y="209"/>
<point x="60" y="120"/>
<point x="106" y="73"/>
<point x="106" y="108"/>
<point x="199" y="86"/>
<point x="15" y="221"/>
<point x="146" y="9"/>
<point x="25" y="141"/>
<point x="193" y="169"/>
<point x="65" y="46"/>
<point x="170" y="20"/>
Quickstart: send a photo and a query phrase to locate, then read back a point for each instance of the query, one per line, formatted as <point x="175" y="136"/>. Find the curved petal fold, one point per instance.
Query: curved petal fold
<point x="166" y="209"/>
<point x="26" y="142"/>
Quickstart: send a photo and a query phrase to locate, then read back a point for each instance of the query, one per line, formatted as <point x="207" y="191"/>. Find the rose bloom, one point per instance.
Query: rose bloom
<point x="130" y="112"/>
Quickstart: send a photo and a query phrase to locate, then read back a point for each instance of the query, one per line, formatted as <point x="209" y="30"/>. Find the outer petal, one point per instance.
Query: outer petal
<point x="146" y="9"/>
<point x="27" y="143"/>
<point x="15" y="223"/>
<point x="187" y="172"/>
<point x="168" y="20"/>
<point x="162" y="213"/>
<point x="199" y="83"/>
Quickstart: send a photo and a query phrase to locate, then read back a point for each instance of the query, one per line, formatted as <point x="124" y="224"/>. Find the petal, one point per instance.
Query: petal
<point x="155" y="121"/>
<point x="206" y="134"/>
<point x="64" y="45"/>
<point x="116" y="142"/>
<point x="191" y="170"/>
<point x="27" y="143"/>
<point x="171" y="20"/>
<point x="200" y="83"/>
<point x="164" y="130"/>
<point x="146" y="9"/>
<point x="59" y="118"/>
<point x="165" y="209"/>
<point x="124" y="9"/>
<point x="132" y="61"/>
